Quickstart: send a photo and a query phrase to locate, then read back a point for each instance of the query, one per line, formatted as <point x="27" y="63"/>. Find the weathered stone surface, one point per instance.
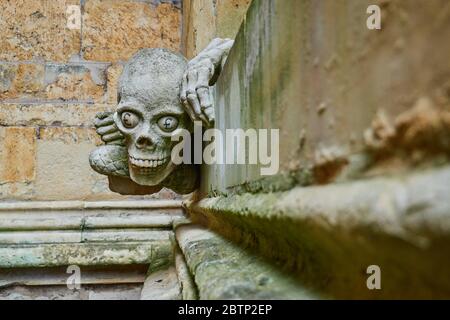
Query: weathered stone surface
<point x="87" y="292"/>
<point x="199" y="25"/>
<point x="314" y="101"/>
<point x="188" y="288"/>
<point x="21" y="80"/>
<point x="46" y="255"/>
<point x="71" y="236"/>
<point x="39" y="159"/>
<point x="124" y="235"/>
<point x="329" y="235"/>
<point x="132" y="219"/>
<point x="68" y="135"/>
<point x="161" y="285"/>
<point x="205" y="20"/>
<point x="62" y="115"/>
<point x="115" y="30"/>
<point x="224" y="271"/>
<point x="54" y="166"/>
<point x="17" y="154"/>
<point x="37" y="29"/>
<point x="229" y="16"/>
<point x="39" y="82"/>
<point x="36" y="237"/>
<point x="75" y="82"/>
<point x="17" y="190"/>
<point x="58" y="275"/>
<point x="45" y="82"/>
<point x="112" y="74"/>
<point x="7" y="76"/>
<point x="76" y="215"/>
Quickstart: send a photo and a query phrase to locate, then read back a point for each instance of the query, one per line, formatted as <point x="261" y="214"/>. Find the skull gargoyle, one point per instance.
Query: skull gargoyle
<point x="159" y="92"/>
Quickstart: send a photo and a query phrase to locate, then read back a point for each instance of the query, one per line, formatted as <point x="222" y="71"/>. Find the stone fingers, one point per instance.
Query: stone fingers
<point x="189" y="95"/>
<point x="103" y="115"/>
<point x="203" y="93"/>
<point x="106" y="129"/>
<point x="119" y="142"/>
<point x="103" y="119"/>
<point x="183" y="91"/>
<point x="107" y="138"/>
<point x="183" y="97"/>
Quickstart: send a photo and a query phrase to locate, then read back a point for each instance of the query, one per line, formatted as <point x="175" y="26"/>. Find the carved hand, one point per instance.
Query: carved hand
<point x="107" y="130"/>
<point x="202" y="73"/>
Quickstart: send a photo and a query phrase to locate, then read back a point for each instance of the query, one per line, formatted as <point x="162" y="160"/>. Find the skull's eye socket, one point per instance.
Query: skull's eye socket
<point x="168" y="123"/>
<point x="129" y="119"/>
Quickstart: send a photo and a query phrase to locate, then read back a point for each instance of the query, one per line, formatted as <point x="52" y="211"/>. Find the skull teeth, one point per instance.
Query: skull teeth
<point x="144" y="163"/>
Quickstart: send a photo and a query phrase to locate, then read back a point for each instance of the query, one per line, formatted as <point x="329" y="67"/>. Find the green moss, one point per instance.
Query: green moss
<point x="224" y="271"/>
<point x="49" y="255"/>
<point x="330" y="259"/>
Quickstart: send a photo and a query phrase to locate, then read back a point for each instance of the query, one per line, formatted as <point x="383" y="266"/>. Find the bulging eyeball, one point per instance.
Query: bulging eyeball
<point x="168" y="123"/>
<point x="129" y="119"/>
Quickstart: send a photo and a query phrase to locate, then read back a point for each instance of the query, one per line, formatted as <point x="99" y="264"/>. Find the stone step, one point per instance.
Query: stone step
<point x="221" y="270"/>
<point x="84" y="254"/>
<point x="73" y="215"/>
<point x="331" y="236"/>
<point x="73" y="236"/>
<point x="58" y="276"/>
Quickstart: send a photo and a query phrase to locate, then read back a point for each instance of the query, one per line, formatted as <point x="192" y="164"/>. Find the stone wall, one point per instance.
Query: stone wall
<point x="349" y="102"/>
<point x="56" y="75"/>
<point x="205" y="20"/>
<point x="364" y="126"/>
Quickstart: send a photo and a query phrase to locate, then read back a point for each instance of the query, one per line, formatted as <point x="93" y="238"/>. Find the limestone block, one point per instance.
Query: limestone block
<point x="82" y="254"/>
<point x="203" y="23"/>
<point x="187" y="285"/>
<point x="161" y="285"/>
<point x="58" y="114"/>
<point x="58" y="275"/>
<point x="131" y="214"/>
<point x="115" y="235"/>
<point x="229" y="16"/>
<point x="137" y="219"/>
<point x="222" y="270"/>
<point x="21" y="80"/>
<point x="75" y="82"/>
<point x="69" y="135"/>
<point x="52" y="81"/>
<point x="115" y="30"/>
<point x="37" y="29"/>
<point x="7" y="75"/>
<point x="17" y="190"/>
<point x="17" y="154"/>
<point x="86" y="292"/>
<point x="78" y="236"/>
<point x="35" y="237"/>
<point x="199" y="25"/>
<point x="63" y="170"/>
<point x="205" y="20"/>
<point x="112" y="75"/>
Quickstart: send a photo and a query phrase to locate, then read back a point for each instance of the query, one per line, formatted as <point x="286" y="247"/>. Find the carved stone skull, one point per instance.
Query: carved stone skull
<point x="149" y="111"/>
<point x="159" y="92"/>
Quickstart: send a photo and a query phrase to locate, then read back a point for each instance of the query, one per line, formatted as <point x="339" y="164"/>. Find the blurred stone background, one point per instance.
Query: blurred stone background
<point x="54" y="79"/>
